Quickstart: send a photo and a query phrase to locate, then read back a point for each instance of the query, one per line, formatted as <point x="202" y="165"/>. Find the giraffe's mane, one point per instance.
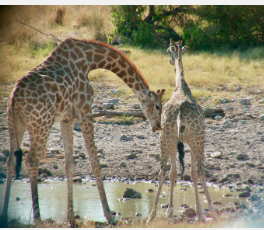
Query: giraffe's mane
<point x="122" y="54"/>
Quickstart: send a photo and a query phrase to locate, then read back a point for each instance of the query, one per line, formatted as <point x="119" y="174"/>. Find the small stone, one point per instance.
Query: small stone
<point x="224" y="100"/>
<point x="95" y="106"/>
<point x="216" y="155"/>
<point x="77" y="179"/>
<point x="137" y="214"/>
<point x="104" y="166"/>
<point x="131" y="156"/>
<point x="164" y="205"/>
<point x="252" y="165"/>
<point x="190" y="212"/>
<point x="242" y="156"/>
<point x="250" y="181"/>
<point x="255" y="197"/>
<point x="108" y="106"/>
<point x="140" y="136"/>
<point x="136" y="106"/>
<point x="115" y="91"/>
<point x="218" y="118"/>
<point x="217" y="202"/>
<point x="236" y="175"/>
<point x="227" y="123"/>
<point x="245" y="101"/>
<point x="186" y="178"/>
<point x="126" y="138"/>
<point x="6" y="152"/>
<point x="244" y="194"/>
<point x="150" y="190"/>
<point x="132" y="193"/>
<point x="113" y="101"/>
<point x="262" y="138"/>
<point x="55" y="166"/>
<point x="157" y="156"/>
<point x="123" y="164"/>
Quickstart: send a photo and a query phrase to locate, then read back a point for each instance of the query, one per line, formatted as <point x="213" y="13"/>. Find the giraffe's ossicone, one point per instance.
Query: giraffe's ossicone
<point x="58" y="90"/>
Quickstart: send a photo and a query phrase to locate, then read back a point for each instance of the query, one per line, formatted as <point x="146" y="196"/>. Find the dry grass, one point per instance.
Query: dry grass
<point x="22" y="48"/>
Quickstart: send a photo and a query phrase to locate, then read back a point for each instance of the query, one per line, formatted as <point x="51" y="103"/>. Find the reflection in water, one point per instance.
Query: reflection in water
<point x="87" y="204"/>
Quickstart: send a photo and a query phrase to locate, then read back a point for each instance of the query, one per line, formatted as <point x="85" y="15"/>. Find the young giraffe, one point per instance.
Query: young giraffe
<point x="182" y="121"/>
<point x="58" y="90"/>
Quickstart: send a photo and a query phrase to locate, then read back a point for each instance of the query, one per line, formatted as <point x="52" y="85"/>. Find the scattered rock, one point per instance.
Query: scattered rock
<point x="108" y="105"/>
<point x="245" y="101"/>
<point x="227" y="124"/>
<point x="224" y="100"/>
<point x="190" y="212"/>
<point x="77" y="179"/>
<point x="255" y="197"/>
<point x="126" y="138"/>
<point x="186" y="177"/>
<point x="131" y="156"/>
<point x="104" y="166"/>
<point x="216" y="155"/>
<point x="217" y="202"/>
<point x="132" y="193"/>
<point x="164" y="205"/>
<point x="6" y="152"/>
<point x="242" y="156"/>
<point x="249" y="164"/>
<point x="244" y="194"/>
<point x="123" y="164"/>
<point x="113" y="101"/>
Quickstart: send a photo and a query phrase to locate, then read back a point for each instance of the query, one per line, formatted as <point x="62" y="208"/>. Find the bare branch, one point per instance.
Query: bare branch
<point x="209" y="112"/>
<point x="39" y="31"/>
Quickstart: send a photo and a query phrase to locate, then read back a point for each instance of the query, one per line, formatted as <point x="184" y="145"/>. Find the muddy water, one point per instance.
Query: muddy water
<point x="53" y="199"/>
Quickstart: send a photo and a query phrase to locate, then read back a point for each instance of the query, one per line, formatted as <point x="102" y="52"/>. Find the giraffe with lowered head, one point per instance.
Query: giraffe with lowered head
<point x="58" y="90"/>
<point x="182" y="121"/>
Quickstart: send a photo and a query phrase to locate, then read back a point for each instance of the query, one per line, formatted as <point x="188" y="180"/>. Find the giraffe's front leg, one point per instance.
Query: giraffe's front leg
<point x="88" y="135"/>
<point x="67" y="136"/>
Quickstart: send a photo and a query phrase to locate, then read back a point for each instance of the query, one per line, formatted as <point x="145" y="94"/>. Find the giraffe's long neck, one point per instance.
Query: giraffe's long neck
<point x="80" y="57"/>
<point x="181" y="85"/>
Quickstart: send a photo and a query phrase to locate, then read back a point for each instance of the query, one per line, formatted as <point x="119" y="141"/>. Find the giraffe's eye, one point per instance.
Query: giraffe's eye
<point x="157" y="107"/>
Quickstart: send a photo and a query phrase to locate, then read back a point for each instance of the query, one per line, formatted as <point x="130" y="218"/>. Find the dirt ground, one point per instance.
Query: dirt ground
<point x="234" y="147"/>
<point x="129" y="150"/>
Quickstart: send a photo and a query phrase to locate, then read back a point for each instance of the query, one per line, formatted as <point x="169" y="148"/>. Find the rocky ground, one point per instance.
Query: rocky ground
<point x="234" y="147"/>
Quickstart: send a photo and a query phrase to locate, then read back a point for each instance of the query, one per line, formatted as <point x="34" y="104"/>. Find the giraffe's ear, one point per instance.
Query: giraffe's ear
<point x="184" y="48"/>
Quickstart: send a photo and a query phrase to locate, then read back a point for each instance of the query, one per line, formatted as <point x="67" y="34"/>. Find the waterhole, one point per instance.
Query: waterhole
<point x="87" y="204"/>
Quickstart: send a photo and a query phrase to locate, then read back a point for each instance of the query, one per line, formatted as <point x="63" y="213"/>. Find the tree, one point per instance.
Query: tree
<point x="146" y="25"/>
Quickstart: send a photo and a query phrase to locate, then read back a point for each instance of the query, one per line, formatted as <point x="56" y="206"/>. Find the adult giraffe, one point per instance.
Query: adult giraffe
<point x="182" y="121"/>
<point x="58" y="90"/>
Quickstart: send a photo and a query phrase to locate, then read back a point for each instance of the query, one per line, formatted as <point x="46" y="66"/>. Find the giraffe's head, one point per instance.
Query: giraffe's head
<point x="176" y="50"/>
<point x="152" y="108"/>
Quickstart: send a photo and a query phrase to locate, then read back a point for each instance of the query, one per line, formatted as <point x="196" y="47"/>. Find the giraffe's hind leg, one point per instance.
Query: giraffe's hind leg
<point x="38" y="134"/>
<point x="11" y="162"/>
<point x="162" y="175"/>
<point x="195" y="181"/>
<point x="67" y="136"/>
<point x="172" y="182"/>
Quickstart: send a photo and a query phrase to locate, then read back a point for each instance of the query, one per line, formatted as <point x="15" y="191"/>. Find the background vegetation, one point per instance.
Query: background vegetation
<point x="225" y="44"/>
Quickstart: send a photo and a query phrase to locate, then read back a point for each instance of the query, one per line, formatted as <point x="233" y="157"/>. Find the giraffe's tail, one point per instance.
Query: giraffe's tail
<point x="180" y="146"/>
<point x="18" y="153"/>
